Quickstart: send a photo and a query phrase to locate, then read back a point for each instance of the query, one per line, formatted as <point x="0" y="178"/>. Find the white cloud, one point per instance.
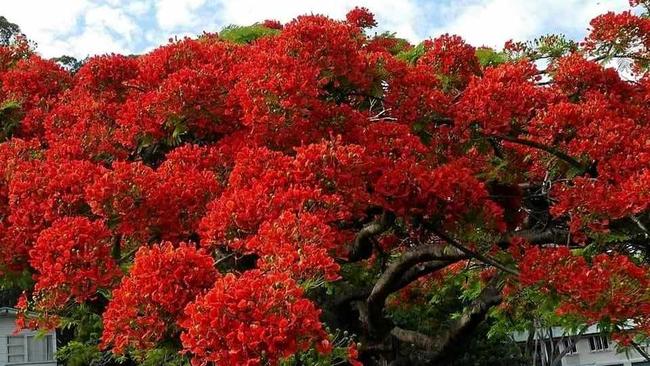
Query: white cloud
<point x="85" y="27"/>
<point x="73" y="27"/>
<point x="94" y="41"/>
<point x="492" y="22"/>
<point x="138" y="8"/>
<point x="111" y="19"/>
<point x="399" y="16"/>
<point x="176" y="13"/>
<point x="44" y="21"/>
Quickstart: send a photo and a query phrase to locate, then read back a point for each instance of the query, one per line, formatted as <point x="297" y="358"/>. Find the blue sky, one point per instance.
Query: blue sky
<point x="87" y="27"/>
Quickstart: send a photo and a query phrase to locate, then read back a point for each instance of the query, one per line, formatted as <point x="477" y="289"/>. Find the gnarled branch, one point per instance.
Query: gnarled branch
<point x="394" y="279"/>
<point x="437" y="346"/>
<point x="474" y="254"/>
<point x="551" y="235"/>
<point x="551" y="150"/>
<point x="362" y="248"/>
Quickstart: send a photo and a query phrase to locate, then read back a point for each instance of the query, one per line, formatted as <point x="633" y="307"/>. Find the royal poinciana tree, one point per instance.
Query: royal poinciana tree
<point x="309" y="194"/>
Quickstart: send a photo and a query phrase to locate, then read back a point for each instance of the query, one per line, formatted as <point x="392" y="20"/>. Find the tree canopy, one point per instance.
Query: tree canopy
<point x="310" y="194"/>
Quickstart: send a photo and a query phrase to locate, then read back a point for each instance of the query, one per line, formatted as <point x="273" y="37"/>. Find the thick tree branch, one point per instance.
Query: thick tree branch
<point x="362" y="248"/>
<point x="394" y="279"/>
<point x="557" y="360"/>
<point x="551" y="150"/>
<point x="474" y="254"/>
<point x="419" y="340"/>
<point x="550" y="235"/>
<point x="116" y="247"/>
<point x="438" y="346"/>
<point x="641" y="351"/>
<point x="420" y="270"/>
<point x="471" y="317"/>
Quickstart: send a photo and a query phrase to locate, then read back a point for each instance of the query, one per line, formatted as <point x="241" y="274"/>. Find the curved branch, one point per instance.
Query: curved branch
<point x="440" y="344"/>
<point x="481" y="257"/>
<point x="420" y="270"/>
<point x="393" y="279"/>
<point x="362" y="248"/>
<point x="569" y="159"/>
<point x="421" y="341"/>
<point x="550" y="235"/>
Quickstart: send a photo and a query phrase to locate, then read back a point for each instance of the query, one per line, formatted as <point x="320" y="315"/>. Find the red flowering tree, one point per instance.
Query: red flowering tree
<point x="305" y="193"/>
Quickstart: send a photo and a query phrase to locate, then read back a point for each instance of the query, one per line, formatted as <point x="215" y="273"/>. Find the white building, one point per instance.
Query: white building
<point x="25" y="348"/>
<point x="588" y="349"/>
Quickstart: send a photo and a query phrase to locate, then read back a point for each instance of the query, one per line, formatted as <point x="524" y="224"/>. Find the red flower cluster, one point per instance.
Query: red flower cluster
<point x="610" y="287"/>
<point x="617" y="191"/>
<point x="73" y="260"/>
<point x="165" y="203"/>
<point x="41" y="191"/>
<point x="297" y="244"/>
<point x="33" y="83"/>
<point x="415" y="94"/>
<point x="284" y="148"/>
<point x="504" y="98"/>
<point x="149" y="302"/>
<point x="622" y="35"/>
<point x="272" y="24"/>
<point x="254" y="319"/>
<point x="574" y="75"/>
<point x="622" y="30"/>
<point x="453" y="61"/>
<point x="361" y="17"/>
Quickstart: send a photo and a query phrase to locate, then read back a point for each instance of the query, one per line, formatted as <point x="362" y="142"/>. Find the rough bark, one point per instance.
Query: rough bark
<point x="363" y="242"/>
<point x="393" y="279"/>
<point x="438" y="346"/>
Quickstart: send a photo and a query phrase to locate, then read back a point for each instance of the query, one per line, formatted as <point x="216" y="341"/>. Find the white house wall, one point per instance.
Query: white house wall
<point x="7" y="327"/>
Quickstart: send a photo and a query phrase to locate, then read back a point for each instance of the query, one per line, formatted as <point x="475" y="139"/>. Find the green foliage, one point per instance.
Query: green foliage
<point x="311" y="357"/>
<point x="84" y="322"/>
<point x="246" y="34"/>
<point x="164" y="356"/>
<point x="338" y="356"/>
<point x="401" y="44"/>
<point x="76" y="353"/>
<point x="412" y="55"/>
<point x="488" y="57"/>
<point x="69" y="63"/>
<point x="9" y="119"/>
<point x="8" y="31"/>
<point x="178" y="125"/>
<point x="547" y="46"/>
<point x="16" y="280"/>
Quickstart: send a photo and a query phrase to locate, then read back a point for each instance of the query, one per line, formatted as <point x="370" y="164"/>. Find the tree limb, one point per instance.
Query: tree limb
<point x="481" y="257"/>
<point x="419" y="340"/>
<point x="643" y="353"/>
<point x="362" y="248"/>
<point x="551" y="235"/>
<point x="393" y="279"/>
<point x="551" y="150"/>
<point x="471" y="317"/>
<point x="437" y="346"/>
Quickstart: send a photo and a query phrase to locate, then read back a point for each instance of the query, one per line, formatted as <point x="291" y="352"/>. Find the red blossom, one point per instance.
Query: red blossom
<point x="73" y="260"/>
<point x="361" y="17"/>
<point x="250" y="319"/>
<point x="452" y="60"/>
<point x="150" y="300"/>
<point x="272" y="24"/>
<point x="277" y="157"/>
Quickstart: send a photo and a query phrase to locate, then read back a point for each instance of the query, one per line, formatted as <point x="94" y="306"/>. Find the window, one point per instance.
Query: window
<point x="16" y="349"/>
<point x="39" y="348"/>
<point x="30" y="349"/>
<point x="598" y="343"/>
<point x="571" y="346"/>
